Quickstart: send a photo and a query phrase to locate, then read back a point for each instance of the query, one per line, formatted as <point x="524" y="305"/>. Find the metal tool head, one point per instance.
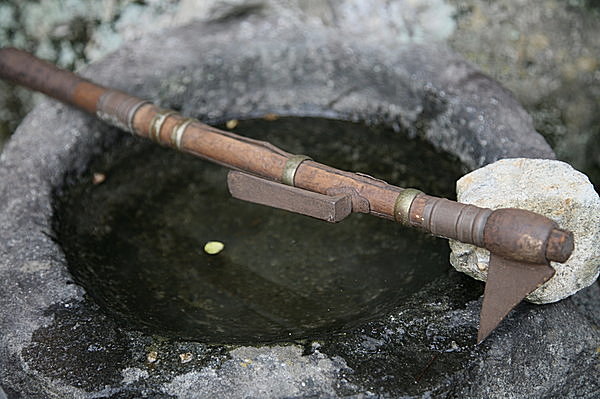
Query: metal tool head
<point x="521" y="243"/>
<point x="508" y="283"/>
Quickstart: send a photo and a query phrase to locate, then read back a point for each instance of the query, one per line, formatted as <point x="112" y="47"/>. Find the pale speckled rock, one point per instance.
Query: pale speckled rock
<point x="290" y="375"/>
<point x="551" y="188"/>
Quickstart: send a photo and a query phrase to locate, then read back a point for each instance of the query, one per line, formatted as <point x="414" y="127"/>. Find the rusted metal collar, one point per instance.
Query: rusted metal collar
<point x="179" y="130"/>
<point x="118" y="109"/>
<point x="290" y="168"/>
<point x="403" y="203"/>
<point x="157" y="122"/>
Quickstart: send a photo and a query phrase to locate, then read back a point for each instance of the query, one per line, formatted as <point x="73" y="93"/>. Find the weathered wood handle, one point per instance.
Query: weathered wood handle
<point x="511" y="233"/>
<point x="26" y="70"/>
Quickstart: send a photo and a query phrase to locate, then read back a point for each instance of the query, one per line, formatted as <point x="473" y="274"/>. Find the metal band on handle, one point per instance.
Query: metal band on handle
<point x="178" y="131"/>
<point x="403" y="203"/>
<point x="118" y="109"/>
<point x="290" y="168"/>
<point x="131" y="114"/>
<point x="156" y="124"/>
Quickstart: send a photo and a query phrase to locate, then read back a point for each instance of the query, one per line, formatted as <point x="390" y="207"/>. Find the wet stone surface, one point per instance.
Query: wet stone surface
<point x="78" y="332"/>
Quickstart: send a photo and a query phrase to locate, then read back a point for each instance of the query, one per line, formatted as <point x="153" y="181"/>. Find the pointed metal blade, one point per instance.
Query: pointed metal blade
<point x="508" y="283"/>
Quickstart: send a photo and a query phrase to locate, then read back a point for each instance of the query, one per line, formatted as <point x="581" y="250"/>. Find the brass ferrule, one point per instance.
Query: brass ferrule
<point x="131" y="114"/>
<point x="157" y="123"/>
<point x="290" y="168"/>
<point x="179" y="130"/>
<point x="403" y="203"/>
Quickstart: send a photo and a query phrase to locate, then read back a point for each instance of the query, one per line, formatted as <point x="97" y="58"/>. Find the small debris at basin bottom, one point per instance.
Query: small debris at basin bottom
<point x="98" y="178"/>
<point x="185" y="357"/>
<point x="213" y="247"/>
<point x="231" y="124"/>
<point x="270" y="117"/>
<point x="152" y="357"/>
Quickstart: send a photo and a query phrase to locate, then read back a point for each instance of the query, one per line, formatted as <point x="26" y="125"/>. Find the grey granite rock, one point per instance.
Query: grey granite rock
<point x="56" y="343"/>
<point x="551" y="188"/>
<point x="242" y="376"/>
<point x="546" y="53"/>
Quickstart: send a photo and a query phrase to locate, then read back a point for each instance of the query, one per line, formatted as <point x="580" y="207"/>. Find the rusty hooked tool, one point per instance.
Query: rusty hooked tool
<point x="522" y="243"/>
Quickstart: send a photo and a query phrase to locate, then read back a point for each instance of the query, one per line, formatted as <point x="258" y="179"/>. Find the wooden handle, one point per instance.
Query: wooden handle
<point x="504" y="232"/>
<point x="26" y="70"/>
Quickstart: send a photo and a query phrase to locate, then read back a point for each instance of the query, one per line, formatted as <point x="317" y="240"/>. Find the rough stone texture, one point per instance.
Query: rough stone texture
<point x="551" y="188"/>
<point x="55" y="342"/>
<point x="548" y="54"/>
<point x="290" y="375"/>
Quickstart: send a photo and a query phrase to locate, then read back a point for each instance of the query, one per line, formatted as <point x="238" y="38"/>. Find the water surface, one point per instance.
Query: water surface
<point x="135" y="242"/>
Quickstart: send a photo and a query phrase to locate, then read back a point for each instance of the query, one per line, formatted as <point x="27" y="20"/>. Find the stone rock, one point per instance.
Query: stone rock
<point x="551" y="188"/>
<point x="544" y="54"/>
<point x="293" y="375"/>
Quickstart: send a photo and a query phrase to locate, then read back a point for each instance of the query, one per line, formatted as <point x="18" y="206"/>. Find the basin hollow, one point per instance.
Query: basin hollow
<point x="135" y="236"/>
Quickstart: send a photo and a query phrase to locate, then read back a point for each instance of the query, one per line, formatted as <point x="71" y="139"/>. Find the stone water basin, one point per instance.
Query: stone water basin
<point x="105" y="290"/>
<point x="135" y="241"/>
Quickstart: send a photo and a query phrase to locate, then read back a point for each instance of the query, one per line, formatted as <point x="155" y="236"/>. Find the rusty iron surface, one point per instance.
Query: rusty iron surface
<point x="508" y="283"/>
<point x="518" y="234"/>
<point x="449" y="219"/>
<point x="265" y="192"/>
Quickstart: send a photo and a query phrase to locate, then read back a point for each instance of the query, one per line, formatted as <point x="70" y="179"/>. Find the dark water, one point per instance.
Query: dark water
<point x="135" y="242"/>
